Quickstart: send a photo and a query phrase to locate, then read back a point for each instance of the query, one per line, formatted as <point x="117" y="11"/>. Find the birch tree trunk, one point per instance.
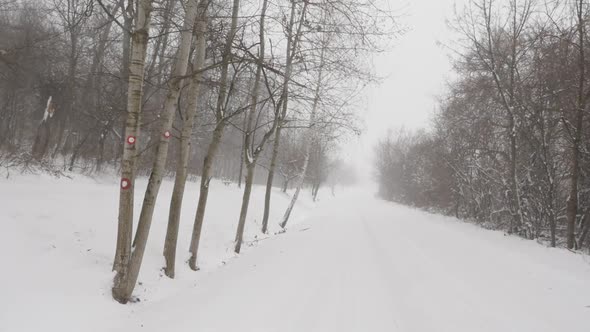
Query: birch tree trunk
<point x="241" y="170"/>
<point x="158" y="169"/>
<point x="170" y="105"/>
<point x="217" y="134"/>
<point x="127" y="14"/>
<point x="309" y="137"/>
<point x="43" y="132"/>
<point x="184" y="151"/>
<point x="139" y="40"/>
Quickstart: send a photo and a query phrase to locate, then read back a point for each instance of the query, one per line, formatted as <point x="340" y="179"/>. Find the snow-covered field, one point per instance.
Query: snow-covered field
<point x="350" y="263"/>
<point x="57" y="240"/>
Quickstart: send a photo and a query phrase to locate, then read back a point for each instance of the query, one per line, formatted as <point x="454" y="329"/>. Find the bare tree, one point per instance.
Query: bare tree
<point x="293" y="38"/>
<point x="221" y="118"/>
<point x="311" y="134"/>
<point x="251" y="150"/>
<point x="185" y="141"/>
<point x="139" y="38"/>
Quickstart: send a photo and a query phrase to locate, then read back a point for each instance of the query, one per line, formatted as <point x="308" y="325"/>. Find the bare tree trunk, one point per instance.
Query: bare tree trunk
<point x="43" y="132"/>
<point x="184" y="150"/>
<point x="315" y="191"/>
<point x="585" y="229"/>
<point x="250" y="154"/>
<point x="241" y="171"/>
<point x="100" y="155"/>
<point x="203" y="195"/>
<point x="270" y="179"/>
<point x="285" y="184"/>
<point x="295" y="195"/>
<point x="124" y="72"/>
<point x="292" y="41"/>
<point x="170" y="106"/>
<point x="128" y="163"/>
<point x="217" y="134"/>
<point x="517" y="212"/>
<point x="309" y="137"/>
<point x="517" y="209"/>
<point x="245" y="204"/>
<point x="76" y="151"/>
<point x="550" y="200"/>
<point x="552" y="225"/>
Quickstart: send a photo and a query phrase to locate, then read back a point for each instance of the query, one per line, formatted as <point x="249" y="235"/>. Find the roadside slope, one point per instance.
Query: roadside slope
<point x="361" y="264"/>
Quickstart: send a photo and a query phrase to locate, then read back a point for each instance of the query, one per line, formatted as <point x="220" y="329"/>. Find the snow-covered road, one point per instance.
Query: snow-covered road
<point x="350" y="263"/>
<point x="361" y="264"/>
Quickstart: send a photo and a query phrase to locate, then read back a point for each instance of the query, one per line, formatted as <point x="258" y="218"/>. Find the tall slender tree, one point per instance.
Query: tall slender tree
<point x="221" y="118"/>
<point x="184" y="149"/>
<point x="311" y="132"/>
<point x="139" y="38"/>
<point x="293" y="38"/>
<point x="251" y="151"/>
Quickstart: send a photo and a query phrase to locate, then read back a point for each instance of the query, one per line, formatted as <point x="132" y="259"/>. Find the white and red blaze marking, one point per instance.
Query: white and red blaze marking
<point x="131" y="140"/>
<point x="167" y="134"/>
<point x="125" y="183"/>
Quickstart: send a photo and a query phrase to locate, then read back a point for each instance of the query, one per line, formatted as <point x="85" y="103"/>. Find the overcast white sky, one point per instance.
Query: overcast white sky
<point x="416" y="69"/>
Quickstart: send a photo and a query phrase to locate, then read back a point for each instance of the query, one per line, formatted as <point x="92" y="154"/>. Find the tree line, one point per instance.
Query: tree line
<point x="234" y="90"/>
<point x="508" y="147"/>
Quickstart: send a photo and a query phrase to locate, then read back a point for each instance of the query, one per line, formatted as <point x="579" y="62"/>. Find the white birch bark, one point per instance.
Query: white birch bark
<point x="309" y="137"/>
<point x="139" y="40"/>
<point x="171" y="240"/>
<point x="151" y="194"/>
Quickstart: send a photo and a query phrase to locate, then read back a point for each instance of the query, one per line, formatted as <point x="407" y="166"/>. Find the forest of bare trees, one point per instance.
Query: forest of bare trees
<point x="509" y="147"/>
<point x="244" y="91"/>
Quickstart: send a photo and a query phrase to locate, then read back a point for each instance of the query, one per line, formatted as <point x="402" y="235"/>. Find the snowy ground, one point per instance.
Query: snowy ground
<point x="352" y="263"/>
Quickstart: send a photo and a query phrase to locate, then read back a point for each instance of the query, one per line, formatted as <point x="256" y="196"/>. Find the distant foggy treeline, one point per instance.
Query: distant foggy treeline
<point x="509" y="147"/>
